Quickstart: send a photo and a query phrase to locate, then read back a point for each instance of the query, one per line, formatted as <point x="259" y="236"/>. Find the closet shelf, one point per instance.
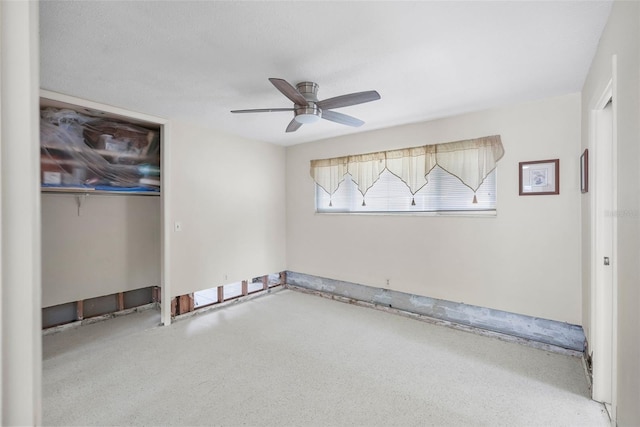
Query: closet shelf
<point x="94" y="190"/>
<point x="83" y="153"/>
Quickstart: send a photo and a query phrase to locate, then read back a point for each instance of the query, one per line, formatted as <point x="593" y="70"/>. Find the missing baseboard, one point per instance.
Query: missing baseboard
<point x="221" y="305"/>
<point x="98" y="307"/>
<point x="92" y="320"/>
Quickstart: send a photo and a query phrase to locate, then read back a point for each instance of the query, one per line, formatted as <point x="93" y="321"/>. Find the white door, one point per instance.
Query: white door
<point x="603" y="260"/>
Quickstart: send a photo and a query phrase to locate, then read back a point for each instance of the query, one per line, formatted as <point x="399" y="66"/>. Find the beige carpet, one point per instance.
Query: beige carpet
<point x="292" y="359"/>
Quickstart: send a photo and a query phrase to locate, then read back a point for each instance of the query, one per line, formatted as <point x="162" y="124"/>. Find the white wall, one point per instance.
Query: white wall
<point x="228" y="194"/>
<point x="621" y="37"/>
<point x="113" y="246"/>
<point x="526" y="260"/>
<point x="20" y="333"/>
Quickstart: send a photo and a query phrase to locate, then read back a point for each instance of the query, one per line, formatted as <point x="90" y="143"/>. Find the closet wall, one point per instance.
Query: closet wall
<point x="111" y="244"/>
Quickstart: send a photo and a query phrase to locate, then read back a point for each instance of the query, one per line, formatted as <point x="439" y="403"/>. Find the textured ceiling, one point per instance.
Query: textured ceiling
<point x="196" y="61"/>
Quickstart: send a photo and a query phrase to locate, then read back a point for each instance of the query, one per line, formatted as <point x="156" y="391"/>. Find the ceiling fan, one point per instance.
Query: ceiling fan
<point x="307" y="108"/>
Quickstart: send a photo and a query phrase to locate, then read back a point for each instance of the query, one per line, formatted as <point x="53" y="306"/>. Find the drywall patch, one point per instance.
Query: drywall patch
<point x="99" y="306"/>
<point x="544" y="331"/>
<point x="320" y="283"/>
<point x="59" y="315"/>
<point x="383" y="298"/>
<point x="138" y="297"/>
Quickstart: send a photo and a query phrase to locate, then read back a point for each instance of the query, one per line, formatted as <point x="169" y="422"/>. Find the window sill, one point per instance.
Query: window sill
<point x="477" y="214"/>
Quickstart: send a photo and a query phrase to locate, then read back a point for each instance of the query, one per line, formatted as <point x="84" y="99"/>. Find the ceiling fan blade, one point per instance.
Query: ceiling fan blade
<point x="350" y="99"/>
<point x="341" y="118"/>
<point x="293" y="125"/>
<point x="289" y="91"/>
<point x="262" y="110"/>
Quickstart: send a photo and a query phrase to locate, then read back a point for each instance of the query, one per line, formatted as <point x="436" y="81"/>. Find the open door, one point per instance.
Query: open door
<point x="603" y="262"/>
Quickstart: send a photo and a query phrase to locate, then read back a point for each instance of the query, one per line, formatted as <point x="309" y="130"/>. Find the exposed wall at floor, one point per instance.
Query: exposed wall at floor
<point x="525" y="260"/>
<point x="228" y="194"/>
<point x="541" y="333"/>
<point x="112" y="244"/>
<point x="621" y="37"/>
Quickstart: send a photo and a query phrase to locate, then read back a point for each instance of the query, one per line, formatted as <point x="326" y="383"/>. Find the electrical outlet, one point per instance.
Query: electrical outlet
<point x="388" y="280"/>
<point x="225" y="276"/>
<point x="177" y="226"/>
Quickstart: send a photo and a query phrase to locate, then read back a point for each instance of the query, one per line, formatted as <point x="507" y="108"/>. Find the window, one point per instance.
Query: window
<point x="443" y="193"/>
<point x="453" y="177"/>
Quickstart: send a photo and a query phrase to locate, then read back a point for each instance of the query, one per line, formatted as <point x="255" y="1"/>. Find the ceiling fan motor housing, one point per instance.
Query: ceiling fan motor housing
<point x="309" y="90"/>
<point x="309" y="113"/>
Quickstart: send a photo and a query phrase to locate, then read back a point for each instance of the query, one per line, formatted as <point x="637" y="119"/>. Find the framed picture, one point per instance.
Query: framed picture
<point x="584" y="171"/>
<point x="539" y="177"/>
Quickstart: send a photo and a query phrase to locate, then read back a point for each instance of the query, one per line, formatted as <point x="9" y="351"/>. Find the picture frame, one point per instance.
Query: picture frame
<point x="584" y="171"/>
<point x="539" y="177"/>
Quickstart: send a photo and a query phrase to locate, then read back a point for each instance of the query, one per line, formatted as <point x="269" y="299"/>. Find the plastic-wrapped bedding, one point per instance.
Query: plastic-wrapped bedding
<point x="83" y="151"/>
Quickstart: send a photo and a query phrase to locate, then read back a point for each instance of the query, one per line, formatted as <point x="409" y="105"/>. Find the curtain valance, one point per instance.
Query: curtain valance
<point x="470" y="161"/>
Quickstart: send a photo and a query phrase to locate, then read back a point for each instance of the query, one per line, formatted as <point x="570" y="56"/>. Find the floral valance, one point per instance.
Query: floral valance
<point x="469" y="160"/>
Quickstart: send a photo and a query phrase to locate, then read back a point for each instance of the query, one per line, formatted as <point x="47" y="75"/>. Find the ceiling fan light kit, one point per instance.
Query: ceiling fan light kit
<point x="307" y="109"/>
<point x="307" y="115"/>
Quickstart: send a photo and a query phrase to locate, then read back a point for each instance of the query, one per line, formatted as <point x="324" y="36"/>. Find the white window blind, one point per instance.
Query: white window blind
<point x="451" y="177"/>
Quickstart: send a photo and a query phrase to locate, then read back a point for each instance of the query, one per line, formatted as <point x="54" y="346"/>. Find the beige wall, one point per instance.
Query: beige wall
<point x="525" y="260"/>
<point x="621" y="37"/>
<point x="113" y="246"/>
<point x="228" y="194"/>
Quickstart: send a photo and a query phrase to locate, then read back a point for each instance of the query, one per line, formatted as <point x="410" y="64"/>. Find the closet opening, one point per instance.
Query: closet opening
<point x="101" y="210"/>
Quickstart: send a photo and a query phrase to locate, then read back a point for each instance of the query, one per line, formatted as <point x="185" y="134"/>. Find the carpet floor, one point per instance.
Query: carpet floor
<point x="293" y="359"/>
